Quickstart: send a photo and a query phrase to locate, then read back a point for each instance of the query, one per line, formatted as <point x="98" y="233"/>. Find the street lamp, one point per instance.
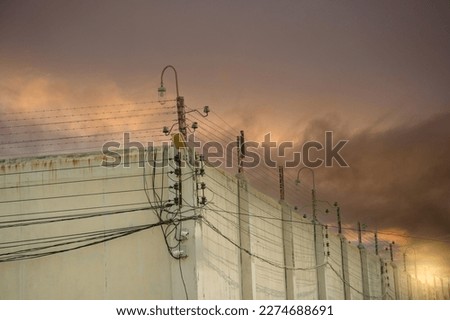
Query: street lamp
<point x="415" y="259"/>
<point x="181" y="112"/>
<point x="180" y="102"/>
<point x="313" y="191"/>
<point x="162" y="90"/>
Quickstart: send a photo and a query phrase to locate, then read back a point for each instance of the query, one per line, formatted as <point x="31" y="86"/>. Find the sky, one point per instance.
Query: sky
<point x="376" y="73"/>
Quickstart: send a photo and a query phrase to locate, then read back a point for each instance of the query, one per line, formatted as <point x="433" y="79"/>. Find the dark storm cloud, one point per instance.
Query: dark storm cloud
<point x="397" y="178"/>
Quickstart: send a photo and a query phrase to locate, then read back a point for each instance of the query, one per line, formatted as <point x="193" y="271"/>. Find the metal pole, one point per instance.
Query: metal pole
<point x="359" y="233"/>
<point x="338" y="212"/>
<point x="313" y="193"/>
<point x="391" y="251"/>
<point x="376" y="242"/>
<point x="181" y="117"/>
<point x="176" y="76"/>
<point x="238" y="150"/>
<point x="318" y="241"/>
<point x="281" y="178"/>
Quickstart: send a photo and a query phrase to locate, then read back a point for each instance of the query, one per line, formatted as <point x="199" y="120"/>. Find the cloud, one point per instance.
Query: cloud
<point x="401" y="175"/>
<point x="43" y="114"/>
<point x="398" y="179"/>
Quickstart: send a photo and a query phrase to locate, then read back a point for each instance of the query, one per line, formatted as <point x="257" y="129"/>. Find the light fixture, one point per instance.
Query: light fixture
<point x="162" y="94"/>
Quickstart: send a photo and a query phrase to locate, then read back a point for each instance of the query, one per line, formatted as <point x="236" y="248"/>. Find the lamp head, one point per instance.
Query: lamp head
<point x="161" y="94"/>
<point x="297" y="182"/>
<point x="166" y="130"/>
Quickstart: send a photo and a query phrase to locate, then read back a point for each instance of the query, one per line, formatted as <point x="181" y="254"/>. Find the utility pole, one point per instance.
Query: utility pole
<point x="359" y="234"/>
<point x="240" y="151"/>
<point x="391" y="251"/>
<point x="281" y="178"/>
<point x="246" y="263"/>
<point x="376" y="242"/>
<point x="364" y="265"/>
<point x="396" y="274"/>
<point x="344" y="255"/>
<point x="288" y="240"/>
<point x="318" y="241"/>
<point x="408" y="277"/>
<point x="181" y="119"/>
<point x="181" y="116"/>
<point x="338" y="213"/>
<point x="186" y="199"/>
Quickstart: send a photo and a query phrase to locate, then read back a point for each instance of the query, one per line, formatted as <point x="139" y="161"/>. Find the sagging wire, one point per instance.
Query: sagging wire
<point x="270" y="262"/>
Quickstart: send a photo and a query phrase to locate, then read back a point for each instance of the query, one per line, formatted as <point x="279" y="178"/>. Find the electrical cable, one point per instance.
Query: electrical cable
<point x="134" y="230"/>
<point x="87" y="120"/>
<point x="28" y="222"/>
<point x="89" y="114"/>
<point x="41" y="110"/>
<point x="212" y="227"/>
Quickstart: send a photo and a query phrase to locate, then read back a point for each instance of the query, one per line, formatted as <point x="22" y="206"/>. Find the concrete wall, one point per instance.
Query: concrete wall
<point x="267" y="243"/>
<point x="305" y="275"/>
<point x="354" y="268"/>
<point x="220" y="272"/>
<point x="132" y="267"/>
<point x="335" y="277"/>
<point x="138" y="266"/>
<point x="375" y="282"/>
